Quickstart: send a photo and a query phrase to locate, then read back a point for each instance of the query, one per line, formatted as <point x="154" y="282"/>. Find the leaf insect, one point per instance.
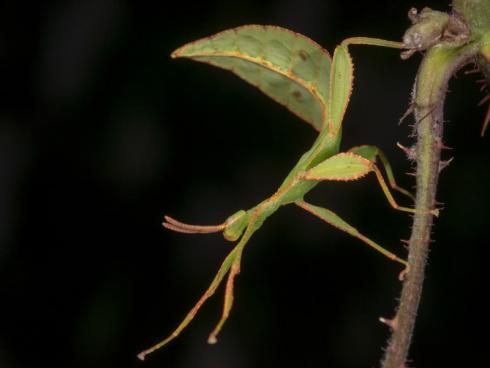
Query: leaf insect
<point x="299" y="74"/>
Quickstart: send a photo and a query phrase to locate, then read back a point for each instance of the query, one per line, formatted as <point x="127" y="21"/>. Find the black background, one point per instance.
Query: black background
<point x="101" y="133"/>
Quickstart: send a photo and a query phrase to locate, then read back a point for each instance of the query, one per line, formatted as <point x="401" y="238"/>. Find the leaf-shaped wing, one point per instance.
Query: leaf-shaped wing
<point x="288" y="67"/>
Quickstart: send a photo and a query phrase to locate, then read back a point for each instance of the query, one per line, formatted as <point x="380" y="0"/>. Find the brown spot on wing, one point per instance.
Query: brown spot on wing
<point x="297" y="95"/>
<point x="303" y="55"/>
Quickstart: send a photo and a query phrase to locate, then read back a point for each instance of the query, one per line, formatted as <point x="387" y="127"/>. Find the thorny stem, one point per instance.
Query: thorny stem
<point x="438" y="65"/>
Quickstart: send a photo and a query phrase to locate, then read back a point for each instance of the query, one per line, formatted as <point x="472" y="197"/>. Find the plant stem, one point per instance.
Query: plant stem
<point x="438" y="65"/>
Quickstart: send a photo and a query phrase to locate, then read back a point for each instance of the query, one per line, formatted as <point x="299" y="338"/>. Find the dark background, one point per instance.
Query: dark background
<point x="101" y="134"/>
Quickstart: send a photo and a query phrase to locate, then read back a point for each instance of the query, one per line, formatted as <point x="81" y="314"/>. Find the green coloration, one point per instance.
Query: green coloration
<point x="368" y="152"/>
<point x="485" y="46"/>
<point x="334" y="220"/>
<point x="299" y="74"/>
<point x="225" y="266"/>
<point x="427" y="29"/>
<point x="341" y="77"/>
<point x="433" y="76"/>
<point x="286" y="66"/>
<point x="343" y="166"/>
<point x="476" y="14"/>
<point x="235" y="225"/>
<point x="484" y="66"/>
<point x="439" y="64"/>
<point x="371" y="153"/>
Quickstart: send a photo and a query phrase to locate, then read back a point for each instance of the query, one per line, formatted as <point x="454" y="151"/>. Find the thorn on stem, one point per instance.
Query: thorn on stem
<point x="409" y="151"/>
<point x="409" y="111"/>
<point x="404" y="273"/>
<point x="444" y="164"/>
<point x="472" y="71"/>
<point x="392" y="323"/>
<point x="486" y="120"/>
<point x="442" y="146"/>
<point x="483" y="100"/>
<point x="484" y="84"/>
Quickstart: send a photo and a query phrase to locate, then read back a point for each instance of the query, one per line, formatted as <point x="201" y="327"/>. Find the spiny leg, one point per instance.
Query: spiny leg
<point x="371" y="153"/>
<point x="234" y="271"/>
<point x="388" y="194"/>
<point x="334" y="220"/>
<point x="225" y="266"/>
<point x="391" y="176"/>
<point x="391" y="199"/>
<point x="230" y="265"/>
<point x="228" y="302"/>
<point x="348" y="166"/>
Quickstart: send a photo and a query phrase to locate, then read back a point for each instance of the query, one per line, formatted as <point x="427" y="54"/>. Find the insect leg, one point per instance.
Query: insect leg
<point x="334" y="220"/>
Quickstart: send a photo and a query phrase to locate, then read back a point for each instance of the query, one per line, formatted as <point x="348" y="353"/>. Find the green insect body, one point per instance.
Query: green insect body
<point x="299" y="74"/>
